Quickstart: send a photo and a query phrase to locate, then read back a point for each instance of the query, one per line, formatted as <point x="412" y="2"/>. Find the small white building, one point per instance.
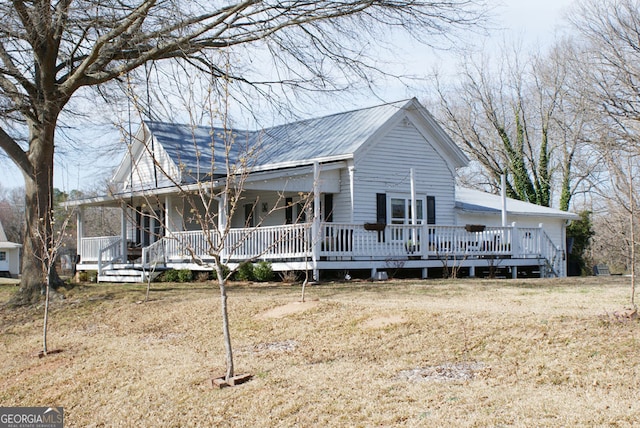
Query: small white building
<point x="382" y="181"/>
<point x="9" y="256"/>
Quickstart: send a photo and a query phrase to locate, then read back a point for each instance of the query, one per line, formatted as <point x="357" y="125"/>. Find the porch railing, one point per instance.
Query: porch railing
<point x="425" y="241"/>
<point x="90" y="247"/>
<point x="270" y="242"/>
<point x="155" y="253"/>
<point x="342" y="240"/>
<point x="110" y="254"/>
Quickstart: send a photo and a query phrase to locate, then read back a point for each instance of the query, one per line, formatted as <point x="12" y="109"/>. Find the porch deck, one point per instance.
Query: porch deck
<point x="334" y="246"/>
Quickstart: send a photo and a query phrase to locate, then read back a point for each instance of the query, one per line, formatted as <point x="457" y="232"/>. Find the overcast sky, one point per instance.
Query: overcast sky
<point x="533" y="22"/>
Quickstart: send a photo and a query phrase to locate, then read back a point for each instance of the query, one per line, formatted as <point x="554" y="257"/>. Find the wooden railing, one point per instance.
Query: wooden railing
<point x="90" y="247"/>
<point x="271" y="242"/>
<point x="341" y="240"/>
<point x="424" y="241"/>
<point x="154" y="254"/>
<point x="110" y="254"/>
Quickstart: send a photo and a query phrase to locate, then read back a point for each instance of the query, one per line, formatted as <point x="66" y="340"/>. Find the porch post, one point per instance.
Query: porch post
<point x="414" y="232"/>
<point x="503" y="194"/>
<point x="515" y="240"/>
<point x="315" y="228"/>
<point x="352" y="171"/>
<point x="168" y="209"/>
<point x="80" y="231"/>
<point x="123" y="231"/>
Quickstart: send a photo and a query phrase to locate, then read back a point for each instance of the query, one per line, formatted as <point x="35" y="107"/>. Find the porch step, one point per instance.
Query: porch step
<point x="126" y="275"/>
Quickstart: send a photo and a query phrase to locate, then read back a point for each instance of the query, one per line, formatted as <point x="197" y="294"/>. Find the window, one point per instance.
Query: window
<point x="288" y="210"/>
<point x="248" y="215"/>
<point x="431" y="210"/>
<point x="327" y="208"/>
<point x="3" y="256"/>
<point x="400" y="214"/>
<point x="401" y="210"/>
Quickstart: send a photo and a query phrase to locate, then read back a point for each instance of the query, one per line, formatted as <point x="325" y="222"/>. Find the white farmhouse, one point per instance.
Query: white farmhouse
<point x="382" y="182"/>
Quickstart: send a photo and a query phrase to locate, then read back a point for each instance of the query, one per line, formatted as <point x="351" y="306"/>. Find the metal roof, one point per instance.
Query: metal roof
<point x="481" y="202"/>
<point x="334" y="137"/>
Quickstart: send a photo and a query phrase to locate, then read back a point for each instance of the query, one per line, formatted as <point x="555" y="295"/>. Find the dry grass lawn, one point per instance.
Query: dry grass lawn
<point x="521" y="353"/>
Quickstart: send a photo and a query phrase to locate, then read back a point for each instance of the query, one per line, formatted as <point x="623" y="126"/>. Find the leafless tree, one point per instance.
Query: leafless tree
<point x="518" y="116"/>
<point x="610" y="32"/>
<point x="52" y="51"/>
<point x="213" y="194"/>
<point x="51" y="238"/>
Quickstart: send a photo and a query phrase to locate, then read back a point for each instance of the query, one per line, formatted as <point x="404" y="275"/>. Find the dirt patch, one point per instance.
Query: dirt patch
<point x="381" y="322"/>
<point x="448" y="372"/>
<point x="272" y="347"/>
<point x="289" y="309"/>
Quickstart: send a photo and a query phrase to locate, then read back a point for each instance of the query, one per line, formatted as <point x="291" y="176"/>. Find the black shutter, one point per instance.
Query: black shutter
<point x="328" y="207"/>
<point x="288" y="210"/>
<point x="381" y="208"/>
<point x="431" y="210"/>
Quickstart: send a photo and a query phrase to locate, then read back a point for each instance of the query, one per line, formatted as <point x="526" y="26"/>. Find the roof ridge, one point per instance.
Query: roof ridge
<point x="341" y="113"/>
<point x="400" y="103"/>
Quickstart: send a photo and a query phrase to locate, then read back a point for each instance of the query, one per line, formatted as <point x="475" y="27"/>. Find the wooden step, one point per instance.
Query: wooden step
<point x="126" y="275"/>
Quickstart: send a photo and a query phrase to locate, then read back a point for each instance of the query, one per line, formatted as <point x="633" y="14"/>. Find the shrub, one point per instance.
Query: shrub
<point x="203" y="276"/>
<point x="185" y="275"/>
<point x="170" y="275"/>
<point x="263" y="272"/>
<point x="245" y="272"/>
<point x="288" y="277"/>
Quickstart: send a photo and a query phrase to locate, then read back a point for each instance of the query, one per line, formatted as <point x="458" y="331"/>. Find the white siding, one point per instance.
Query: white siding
<point x="342" y="200"/>
<point x="385" y="168"/>
<point x="150" y="168"/>
<point x="270" y="218"/>
<point x="12" y="261"/>
<point x="554" y="227"/>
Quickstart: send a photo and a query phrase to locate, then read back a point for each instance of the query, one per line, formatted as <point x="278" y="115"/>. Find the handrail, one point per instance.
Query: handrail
<point x="154" y="253"/>
<point x="552" y="254"/>
<point x="114" y="250"/>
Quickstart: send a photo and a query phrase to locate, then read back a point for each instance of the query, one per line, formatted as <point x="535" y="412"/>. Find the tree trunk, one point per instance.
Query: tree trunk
<point x="38" y="212"/>
<point x="225" y="323"/>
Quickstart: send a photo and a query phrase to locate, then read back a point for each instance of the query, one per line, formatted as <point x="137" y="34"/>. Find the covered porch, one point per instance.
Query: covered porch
<point x="318" y="246"/>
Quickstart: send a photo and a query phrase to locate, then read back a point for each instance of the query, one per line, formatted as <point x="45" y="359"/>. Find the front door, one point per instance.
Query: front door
<point x="150" y="225"/>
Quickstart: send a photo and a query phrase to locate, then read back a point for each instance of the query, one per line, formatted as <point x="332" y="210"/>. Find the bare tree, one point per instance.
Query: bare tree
<point x="51" y="238"/>
<point x="610" y="32"/>
<point x="520" y="118"/>
<point x="51" y="50"/>
<point x="213" y="194"/>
